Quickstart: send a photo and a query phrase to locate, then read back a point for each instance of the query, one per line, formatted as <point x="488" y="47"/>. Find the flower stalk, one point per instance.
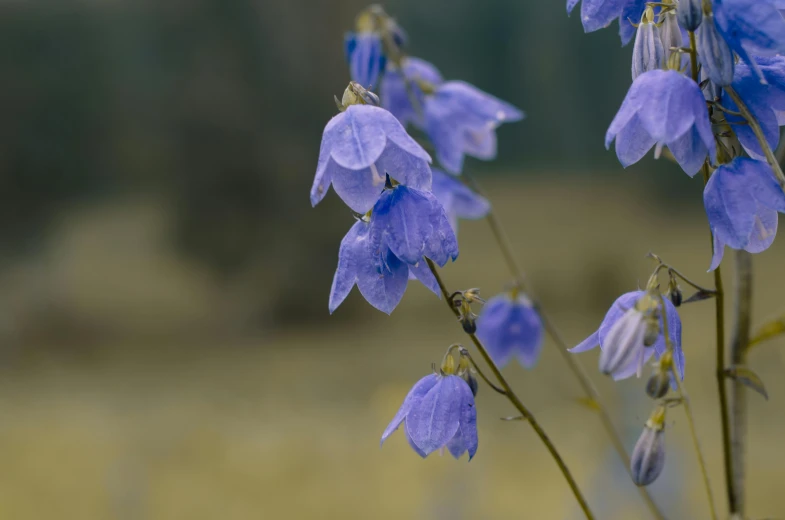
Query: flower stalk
<point x="588" y="388"/>
<point x="685" y="401"/>
<point x="517" y="403"/>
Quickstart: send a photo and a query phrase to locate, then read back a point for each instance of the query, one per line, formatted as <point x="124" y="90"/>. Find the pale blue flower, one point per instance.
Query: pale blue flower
<point x="398" y="99"/>
<point x="663" y="108"/>
<point x="742" y="199"/>
<point x="362" y="145"/>
<point x="714" y="53"/>
<point x="458" y="200"/>
<point x="461" y="120"/>
<point x="623" y="335"/>
<point x="751" y="28"/>
<point x="511" y="327"/>
<point x="413" y="225"/>
<point x="380" y="276"/>
<point x="438" y="412"/>
<point x="365" y="55"/>
<point x="765" y="101"/>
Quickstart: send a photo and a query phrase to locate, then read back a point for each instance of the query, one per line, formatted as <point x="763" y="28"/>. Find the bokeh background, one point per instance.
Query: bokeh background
<point x="165" y="346"/>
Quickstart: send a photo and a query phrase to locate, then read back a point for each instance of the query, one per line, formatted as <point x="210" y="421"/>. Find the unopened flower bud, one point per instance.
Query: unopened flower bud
<point x="469" y="324"/>
<point x="670" y="34"/>
<point x="674" y="293"/>
<point x="690" y="14"/>
<point x="647" y="53"/>
<point x="648" y="456"/>
<point x="714" y="53"/>
<point x="658" y="385"/>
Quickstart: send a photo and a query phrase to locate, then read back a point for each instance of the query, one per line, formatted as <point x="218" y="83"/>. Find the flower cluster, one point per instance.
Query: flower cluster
<point x="407" y="213"/>
<point x="700" y="121"/>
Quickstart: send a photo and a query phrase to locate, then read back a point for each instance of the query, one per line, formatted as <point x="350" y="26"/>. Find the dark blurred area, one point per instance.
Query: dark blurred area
<point x="213" y="110"/>
<point x="165" y="346"/>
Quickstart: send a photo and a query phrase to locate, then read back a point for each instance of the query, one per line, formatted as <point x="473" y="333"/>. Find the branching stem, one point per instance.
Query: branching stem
<point x="517" y="403"/>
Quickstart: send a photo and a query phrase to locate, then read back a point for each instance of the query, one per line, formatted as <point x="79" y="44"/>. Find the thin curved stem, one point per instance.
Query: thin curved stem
<point x="481" y="374"/>
<point x="517" y="403"/>
<point x="685" y="400"/>
<point x="561" y="345"/>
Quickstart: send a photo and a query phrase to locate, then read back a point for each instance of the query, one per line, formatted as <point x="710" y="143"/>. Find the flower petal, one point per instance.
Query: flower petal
<point x="415" y="395"/>
<point x="433" y="422"/>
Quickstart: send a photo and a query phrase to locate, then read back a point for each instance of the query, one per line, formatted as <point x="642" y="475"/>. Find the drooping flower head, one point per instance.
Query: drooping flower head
<point x="632" y="332"/>
<point x="598" y="14"/>
<point x="461" y="120"/>
<point x="742" y="199"/>
<point x="663" y="108"/>
<point x="439" y="412"/>
<point x="766" y="102"/>
<point x="399" y="85"/>
<point x="360" y="146"/>
<point x="365" y="48"/>
<point x="751" y="28"/>
<point x="365" y="55"/>
<point x="510" y="326"/>
<point x="458" y="200"/>
<point x="380" y="254"/>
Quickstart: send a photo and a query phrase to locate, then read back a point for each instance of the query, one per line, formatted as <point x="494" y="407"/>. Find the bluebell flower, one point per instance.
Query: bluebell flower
<point x="412" y="224"/>
<point x="395" y="96"/>
<point x="365" y="55"/>
<point x="714" y="53"/>
<point x="380" y="276"/>
<point x="663" y="108"/>
<point x="627" y="339"/>
<point x="742" y="199"/>
<point x="457" y="199"/>
<point x="648" y="52"/>
<point x="461" y="120"/>
<point x="751" y="28"/>
<point x="509" y="326"/>
<point x="766" y="102"/>
<point x="380" y="255"/>
<point x="361" y="145"/>
<point x="438" y="412"/>
<point x="631" y="12"/>
<point x="598" y="14"/>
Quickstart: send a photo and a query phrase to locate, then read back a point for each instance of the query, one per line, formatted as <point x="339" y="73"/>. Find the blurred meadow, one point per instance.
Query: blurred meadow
<point x="166" y="351"/>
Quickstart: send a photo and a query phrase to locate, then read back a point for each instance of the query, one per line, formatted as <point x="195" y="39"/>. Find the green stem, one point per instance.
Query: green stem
<point x="561" y="345"/>
<point x="685" y="400"/>
<point x="517" y="403"/>
<point x="738" y="353"/>
<point x="719" y="313"/>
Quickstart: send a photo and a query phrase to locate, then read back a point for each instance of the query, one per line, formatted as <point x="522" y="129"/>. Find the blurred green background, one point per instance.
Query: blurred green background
<point x="165" y="346"/>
